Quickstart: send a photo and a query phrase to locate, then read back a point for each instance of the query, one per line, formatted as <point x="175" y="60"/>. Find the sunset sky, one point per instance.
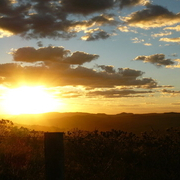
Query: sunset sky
<point x="96" y="56"/>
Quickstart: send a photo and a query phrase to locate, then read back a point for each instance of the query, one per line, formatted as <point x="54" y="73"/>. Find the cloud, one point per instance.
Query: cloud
<point x="161" y="34"/>
<point x="170" y="39"/>
<point x="30" y="54"/>
<point x="157" y="59"/>
<point x="91" y="6"/>
<point x="69" y="93"/>
<point x="130" y="3"/>
<point x="7" y="7"/>
<point x="151" y="17"/>
<point x="108" y="69"/>
<point x="176" y="104"/>
<point x="100" y="20"/>
<point x="125" y="29"/>
<point x="115" y="93"/>
<point x="55" y="74"/>
<point x="104" y="19"/>
<point x="176" y="65"/>
<point x="4" y="33"/>
<point x="176" y="28"/>
<point x="80" y="58"/>
<point x="136" y="40"/>
<point x="171" y="92"/>
<point x="95" y="34"/>
<point x="86" y="7"/>
<point x="147" y="44"/>
<point x="52" y="54"/>
<point x="55" y="19"/>
<point x="14" y="25"/>
<point x="40" y="44"/>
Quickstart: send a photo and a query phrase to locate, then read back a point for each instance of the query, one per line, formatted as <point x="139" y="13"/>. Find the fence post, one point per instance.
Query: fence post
<point x="54" y="155"/>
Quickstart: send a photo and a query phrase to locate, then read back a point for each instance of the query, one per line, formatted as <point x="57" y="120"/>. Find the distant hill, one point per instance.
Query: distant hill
<point x="124" y="121"/>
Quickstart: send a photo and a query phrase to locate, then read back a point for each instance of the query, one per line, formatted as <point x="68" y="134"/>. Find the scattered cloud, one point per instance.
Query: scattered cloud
<point x="171" y="92"/>
<point x="100" y="20"/>
<point x="152" y="17"/>
<point x="147" y="44"/>
<point x="95" y="34"/>
<point x="123" y="28"/>
<point x="170" y="39"/>
<point x="54" y="19"/>
<point x="161" y="34"/>
<point x="137" y="40"/>
<point x="176" y="65"/>
<point x="174" y="55"/>
<point x="176" y="28"/>
<point x="157" y="59"/>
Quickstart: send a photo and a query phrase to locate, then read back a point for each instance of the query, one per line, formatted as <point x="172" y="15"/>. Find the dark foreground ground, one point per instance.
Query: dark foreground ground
<point x="97" y="155"/>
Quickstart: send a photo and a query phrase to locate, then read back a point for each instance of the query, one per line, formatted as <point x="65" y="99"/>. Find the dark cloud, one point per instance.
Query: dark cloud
<point x="56" y="75"/>
<point x="15" y="25"/>
<point x="91" y="6"/>
<point x="52" y="54"/>
<point x="104" y="19"/>
<point x="172" y="92"/>
<point x="130" y="72"/>
<point x="115" y="93"/>
<point x="40" y="44"/>
<point x="80" y="58"/>
<point x="101" y="20"/>
<point x="56" y="69"/>
<point x="95" y="34"/>
<point x="129" y="3"/>
<point x="30" y="54"/>
<point x="151" y="17"/>
<point x="35" y="19"/>
<point x="86" y="7"/>
<point x="157" y="59"/>
<point x="10" y="8"/>
<point x="108" y="69"/>
<point x="53" y="18"/>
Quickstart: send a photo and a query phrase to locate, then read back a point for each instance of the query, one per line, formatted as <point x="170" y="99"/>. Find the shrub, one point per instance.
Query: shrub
<point x="93" y="155"/>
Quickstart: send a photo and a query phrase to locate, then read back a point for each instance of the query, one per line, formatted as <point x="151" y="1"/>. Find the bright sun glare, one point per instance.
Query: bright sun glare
<point x="29" y="100"/>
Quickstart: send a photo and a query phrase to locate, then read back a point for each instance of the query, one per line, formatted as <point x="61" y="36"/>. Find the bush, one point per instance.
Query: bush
<point x="93" y="155"/>
<point x="21" y="153"/>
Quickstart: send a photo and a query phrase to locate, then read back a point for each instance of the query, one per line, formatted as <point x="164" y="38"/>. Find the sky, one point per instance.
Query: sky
<point x="105" y="56"/>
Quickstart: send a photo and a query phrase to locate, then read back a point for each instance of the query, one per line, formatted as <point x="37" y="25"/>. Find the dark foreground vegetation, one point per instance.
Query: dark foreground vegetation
<point x="92" y="155"/>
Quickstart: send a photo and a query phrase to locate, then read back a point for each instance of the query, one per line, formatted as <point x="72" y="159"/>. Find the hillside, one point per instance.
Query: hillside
<point x="125" y="121"/>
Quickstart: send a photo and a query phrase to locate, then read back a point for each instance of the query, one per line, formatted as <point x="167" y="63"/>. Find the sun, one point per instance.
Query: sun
<point x="29" y="100"/>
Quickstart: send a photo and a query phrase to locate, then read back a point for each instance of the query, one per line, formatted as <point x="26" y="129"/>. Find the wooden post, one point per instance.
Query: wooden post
<point x="54" y="156"/>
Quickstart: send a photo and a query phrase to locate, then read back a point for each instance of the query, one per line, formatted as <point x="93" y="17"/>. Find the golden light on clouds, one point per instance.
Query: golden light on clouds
<point x="29" y="100"/>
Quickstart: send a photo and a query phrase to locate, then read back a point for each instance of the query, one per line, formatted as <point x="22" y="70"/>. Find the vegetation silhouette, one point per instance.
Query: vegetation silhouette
<point x="106" y="155"/>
